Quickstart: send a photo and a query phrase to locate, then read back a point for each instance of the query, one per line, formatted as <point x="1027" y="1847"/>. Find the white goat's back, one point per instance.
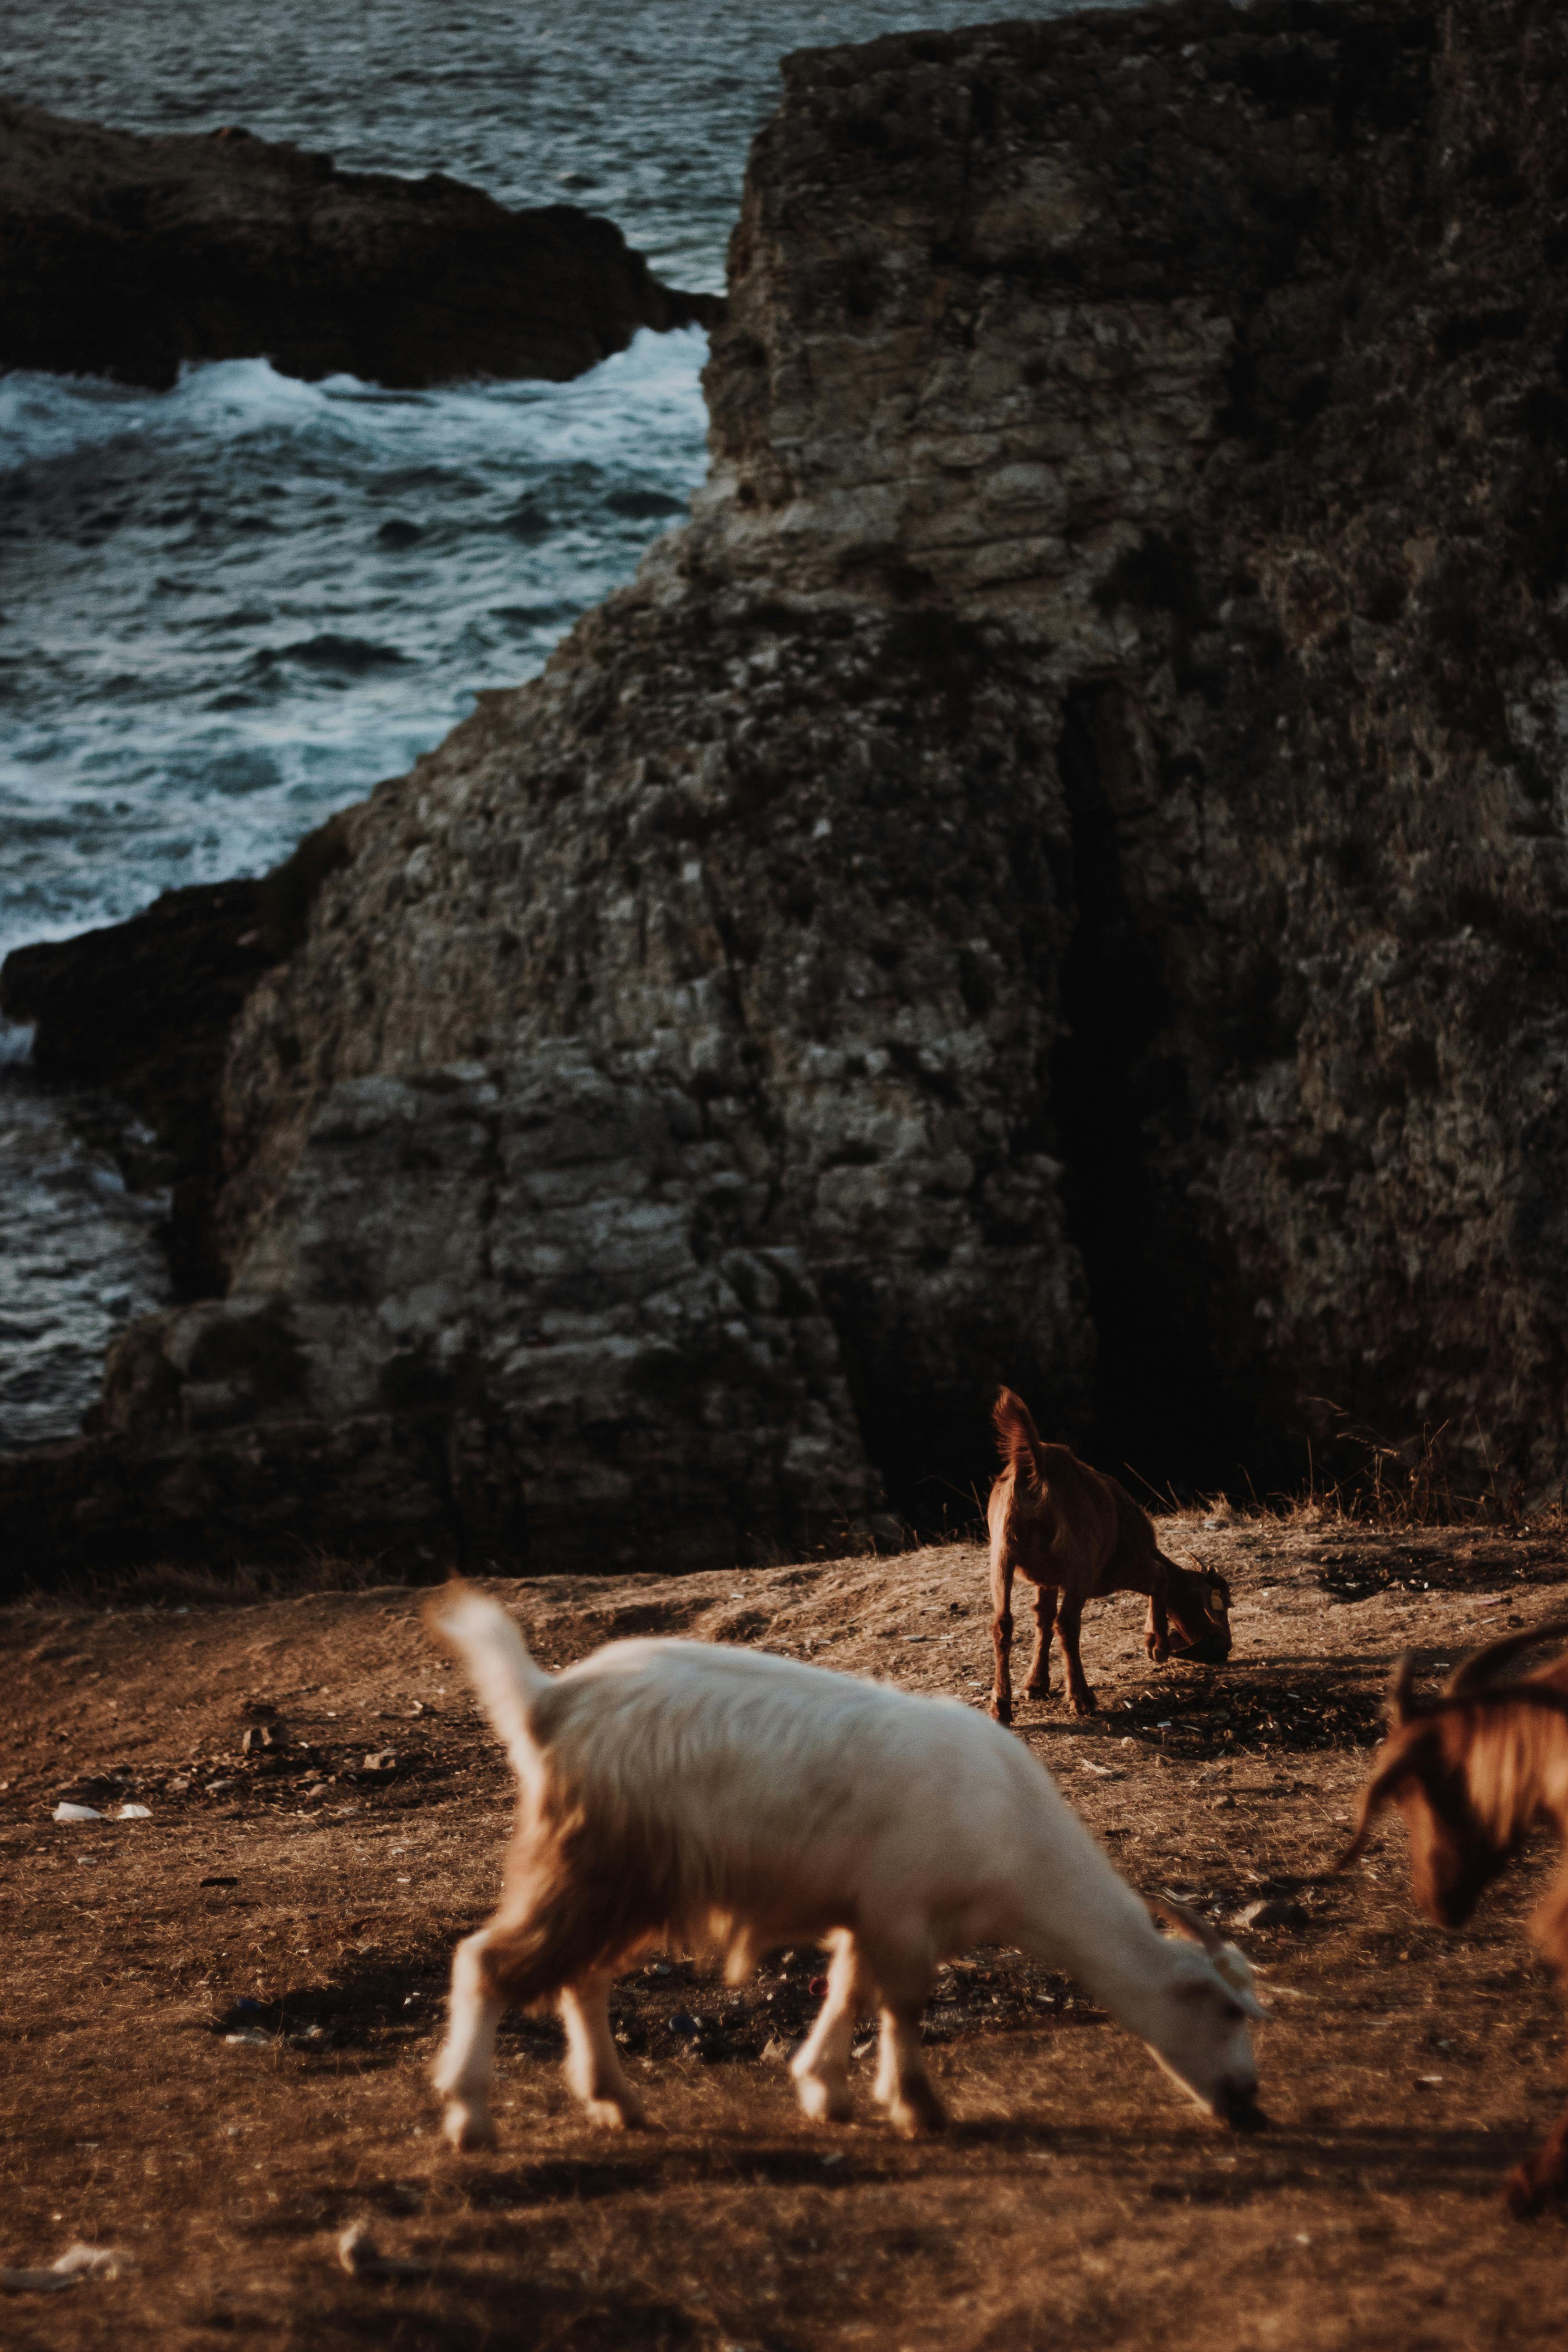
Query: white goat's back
<point x="858" y="1798"/>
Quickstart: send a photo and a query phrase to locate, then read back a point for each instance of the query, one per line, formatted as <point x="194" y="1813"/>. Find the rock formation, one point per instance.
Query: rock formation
<point x="123" y="255"/>
<point x="1058" y="872"/>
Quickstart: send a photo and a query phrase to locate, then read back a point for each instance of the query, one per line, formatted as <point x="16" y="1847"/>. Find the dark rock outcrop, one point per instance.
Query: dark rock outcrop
<point x="122" y="256"/>
<point x="1072" y="838"/>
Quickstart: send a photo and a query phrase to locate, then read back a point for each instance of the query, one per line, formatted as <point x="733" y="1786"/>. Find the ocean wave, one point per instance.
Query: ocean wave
<point x="234" y="607"/>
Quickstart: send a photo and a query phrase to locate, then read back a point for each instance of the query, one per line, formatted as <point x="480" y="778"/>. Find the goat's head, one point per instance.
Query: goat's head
<point x="1423" y="1769"/>
<point x="1197" y="2018"/>
<point x="1199" y="1600"/>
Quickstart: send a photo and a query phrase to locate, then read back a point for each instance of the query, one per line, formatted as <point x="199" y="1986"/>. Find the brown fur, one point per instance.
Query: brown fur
<point x="582" y="1891"/>
<point x="1472" y="1773"/>
<point x="1076" y="1535"/>
<point x="575" y="1903"/>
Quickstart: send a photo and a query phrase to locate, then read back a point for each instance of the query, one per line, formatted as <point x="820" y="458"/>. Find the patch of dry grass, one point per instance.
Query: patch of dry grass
<point x="1077" y="2199"/>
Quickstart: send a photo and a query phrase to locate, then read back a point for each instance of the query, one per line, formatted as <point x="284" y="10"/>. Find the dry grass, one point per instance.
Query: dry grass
<point x="1078" y="2201"/>
<point x="1429" y="1480"/>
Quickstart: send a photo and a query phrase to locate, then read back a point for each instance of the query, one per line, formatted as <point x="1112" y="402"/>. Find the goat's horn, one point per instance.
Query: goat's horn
<point x="1472" y="1674"/>
<point x="1402" y="1690"/>
<point x="1182" y="1915"/>
<point x="1374" y="1798"/>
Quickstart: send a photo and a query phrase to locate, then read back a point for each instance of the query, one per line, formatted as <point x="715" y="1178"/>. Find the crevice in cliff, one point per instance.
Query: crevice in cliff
<point x="1160" y="1405"/>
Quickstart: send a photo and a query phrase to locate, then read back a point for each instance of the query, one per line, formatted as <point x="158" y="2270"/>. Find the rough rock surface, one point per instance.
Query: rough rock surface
<point x="122" y="256"/>
<point x="1074" y="830"/>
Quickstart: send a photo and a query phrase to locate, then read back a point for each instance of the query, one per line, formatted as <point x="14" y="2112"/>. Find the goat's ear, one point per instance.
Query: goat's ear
<point x="1182" y="1915"/>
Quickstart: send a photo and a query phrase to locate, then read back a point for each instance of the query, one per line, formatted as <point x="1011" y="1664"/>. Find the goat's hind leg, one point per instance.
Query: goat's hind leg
<point x="593" y="2065"/>
<point x="1069" y="1617"/>
<point x="1039" y="1683"/>
<point x="821" y="2065"/>
<point x="465" y="2066"/>
<point x="1001" y="1627"/>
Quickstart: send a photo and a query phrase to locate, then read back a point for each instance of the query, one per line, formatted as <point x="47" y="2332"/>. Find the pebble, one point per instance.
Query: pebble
<point x="1273" y="1912"/>
<point x="69" y="2269"/>
<point x="362" y="2258"/>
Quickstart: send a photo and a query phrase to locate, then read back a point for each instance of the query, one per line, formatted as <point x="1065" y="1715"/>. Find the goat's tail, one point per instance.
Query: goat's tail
<point x="495" y="1658"/>
<point x="1017" y="1437"/>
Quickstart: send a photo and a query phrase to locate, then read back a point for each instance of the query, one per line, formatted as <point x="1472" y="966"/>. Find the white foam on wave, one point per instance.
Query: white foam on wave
<point x="643" y="391"/>
<point x="231" y="607"/>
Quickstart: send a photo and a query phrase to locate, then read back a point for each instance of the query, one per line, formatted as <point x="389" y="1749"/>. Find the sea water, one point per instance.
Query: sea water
<point x="228" y="609"/>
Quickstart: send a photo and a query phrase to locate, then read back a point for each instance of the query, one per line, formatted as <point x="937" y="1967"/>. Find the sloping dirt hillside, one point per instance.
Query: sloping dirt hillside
<point x="219" y="2019"/>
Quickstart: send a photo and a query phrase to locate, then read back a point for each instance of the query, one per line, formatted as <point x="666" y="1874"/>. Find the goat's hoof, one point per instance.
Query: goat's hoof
<point x="914" y="2113"/>
<point x="1002" y="1710"/>
<point x="626" y="2114"/>
<point x="824" y="2103"/>
<point x="1041" y="1691"/>
<point x="1528" y="2192"/>
<point x="1085" y="1703"/>
<point x="468" y="2128"/>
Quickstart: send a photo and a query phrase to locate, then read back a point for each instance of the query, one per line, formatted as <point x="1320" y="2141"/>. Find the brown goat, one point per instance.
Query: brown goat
<point x="1074" y="1535"/>
<point x="1473" y="1772"/>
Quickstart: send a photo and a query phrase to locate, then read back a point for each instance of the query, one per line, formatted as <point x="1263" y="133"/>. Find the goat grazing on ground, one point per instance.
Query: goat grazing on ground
<point x="1473" y="1772"/>
<point x="1074" y="1535"/>
<point x="683" y="1790"/>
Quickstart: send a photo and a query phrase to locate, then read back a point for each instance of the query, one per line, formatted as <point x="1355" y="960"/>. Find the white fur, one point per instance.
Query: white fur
<point x="802" y="1803"/>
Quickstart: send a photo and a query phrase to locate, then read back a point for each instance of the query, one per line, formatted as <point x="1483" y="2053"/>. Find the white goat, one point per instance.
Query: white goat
<point x="741" y="1801"/>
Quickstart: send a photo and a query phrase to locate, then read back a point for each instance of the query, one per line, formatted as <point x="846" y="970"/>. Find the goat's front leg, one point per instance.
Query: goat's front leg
<point x="1039" y="1683"/>
<point x="592" y="2064"/>
<point x="467" y="2063"/>
<point x="903" y="2086"/>
<point x="1157" y="1634"/>
<point x="821" y="2065"/>
<point x="904" y="1976"/>
<point x="1069" y="1616"/>
<point x="1002" y="1630"/>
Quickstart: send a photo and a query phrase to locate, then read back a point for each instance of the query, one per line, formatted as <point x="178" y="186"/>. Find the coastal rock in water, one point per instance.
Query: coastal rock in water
<point x="122" y="256"/>
<point x="145" y="1008"/>
<point x="1071" y="841"/>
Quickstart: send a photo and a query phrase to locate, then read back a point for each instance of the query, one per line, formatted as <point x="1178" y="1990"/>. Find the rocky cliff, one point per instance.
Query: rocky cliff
<point x="1058" y="872"/>
<point x="123" y="255"/>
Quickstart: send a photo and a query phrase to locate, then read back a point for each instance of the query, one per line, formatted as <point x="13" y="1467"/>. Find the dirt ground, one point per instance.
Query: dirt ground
<point x="306" y="1902"/>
